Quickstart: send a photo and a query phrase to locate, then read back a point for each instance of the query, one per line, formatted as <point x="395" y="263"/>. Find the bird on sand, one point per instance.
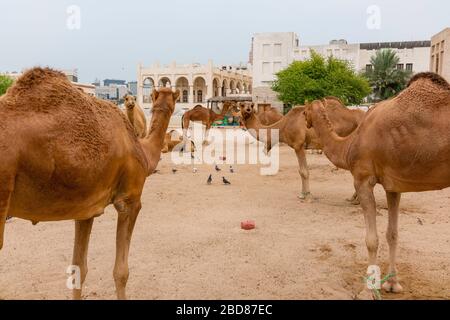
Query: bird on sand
<point x="231" y="169"/>
<point x="218" y="169"/>
<point x="174" y="171"/>
<point x="209" y="182"/>
<point x="225" y="181"/>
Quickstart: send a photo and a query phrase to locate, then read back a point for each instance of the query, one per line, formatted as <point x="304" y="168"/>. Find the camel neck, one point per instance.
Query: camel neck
<point x="130" y="114"/>
<point x="254" y="126"/>
<point x="153" y="143"/>
<point x="335" y="147"/>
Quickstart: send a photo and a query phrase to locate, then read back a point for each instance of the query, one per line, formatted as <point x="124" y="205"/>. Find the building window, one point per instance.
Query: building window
<point x="199" y="96"/>
<point x="437" y="63"/>
<point x="185" y="96"/>
<point x="276" y="67"/>
<point x="266" y="68"/>
<point x="277" y="50"/>
<point x="400" y="66"/>
<point x="266" y="50"/>
<point x="409" y="66"/>
<point x="369" y="67"/>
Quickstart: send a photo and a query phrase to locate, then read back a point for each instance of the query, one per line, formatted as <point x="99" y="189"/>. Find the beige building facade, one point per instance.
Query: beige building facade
<point x="440" y="54"/>
<point x="197" y="83"/>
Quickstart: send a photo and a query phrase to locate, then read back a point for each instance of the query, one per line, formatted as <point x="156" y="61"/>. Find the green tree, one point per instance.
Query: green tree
<point x="384" y="77"/>
<point x="317" y="78"/>
<point x="5" y="83"/>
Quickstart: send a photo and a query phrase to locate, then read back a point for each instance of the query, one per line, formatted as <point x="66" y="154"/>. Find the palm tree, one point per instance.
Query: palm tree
<point x="385" y="77"/>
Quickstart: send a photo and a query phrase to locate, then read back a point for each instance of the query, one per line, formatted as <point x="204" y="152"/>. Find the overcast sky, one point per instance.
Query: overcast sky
<point x="116" y="35"/>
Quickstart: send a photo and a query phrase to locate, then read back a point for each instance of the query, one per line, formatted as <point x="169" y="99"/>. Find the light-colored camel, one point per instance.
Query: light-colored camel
<point x="293" y="131"/>
<point x="174" y="141"/>
<point x="67" y="156"/>
<point x="402" y="144"/>
<point x="206" y="116"/>
<point x="136" y="116"/>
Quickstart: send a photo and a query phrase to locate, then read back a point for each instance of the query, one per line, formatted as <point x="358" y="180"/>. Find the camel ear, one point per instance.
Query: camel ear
<point x="176" y="95"/>
<point x="155" y="95"/>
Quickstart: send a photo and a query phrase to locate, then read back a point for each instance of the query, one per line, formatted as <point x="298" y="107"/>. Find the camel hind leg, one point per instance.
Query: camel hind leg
<point x="128" y="211"/>
<point x="392" y="285"/>
<point x="304" y="174"/>
<point x="6" y="190"/>
<point x="80" y="250"/>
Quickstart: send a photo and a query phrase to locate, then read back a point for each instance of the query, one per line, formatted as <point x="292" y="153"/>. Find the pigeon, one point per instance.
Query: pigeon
<point x="174" y="171"/>
<point x="231" y="169"/>
<point x="209" y="182"/>
<point x="225" y="181"/>
<point x="419" y="221"/>
<point x="195" y="170"/>
<point x="218" y="169"/>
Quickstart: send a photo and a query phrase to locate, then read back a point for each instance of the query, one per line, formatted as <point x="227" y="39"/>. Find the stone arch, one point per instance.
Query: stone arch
<point x="182" y="84"/>
<point x="199" y="90"/>
<point x="164" y="82"/>
<point x="215" y="87"/>
<point x="239" y="87"/>
<point x="232" y="87"/>
<point x="224" y="87"/>
<point x="147" y="88"/>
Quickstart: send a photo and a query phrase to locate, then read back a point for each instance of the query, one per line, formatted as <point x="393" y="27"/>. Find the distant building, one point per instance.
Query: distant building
<point x="133" y="88"/>
<point x="113" y="93"/>
<point x="440" y="53"/>
<point x="109" y="82"/>
<point x="275" y="51"/>
<point x="197" y="83"/>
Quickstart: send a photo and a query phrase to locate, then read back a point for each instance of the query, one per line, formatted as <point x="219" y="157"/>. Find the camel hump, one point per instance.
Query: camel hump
<point x="36" y="76"/>
<point x="433" y="77"/>
<point x="336" y="99"/>
<point x="197" y="107"/>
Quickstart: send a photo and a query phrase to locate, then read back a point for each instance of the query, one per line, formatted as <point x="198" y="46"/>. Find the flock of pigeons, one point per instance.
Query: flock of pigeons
<point x="210" y="178"/>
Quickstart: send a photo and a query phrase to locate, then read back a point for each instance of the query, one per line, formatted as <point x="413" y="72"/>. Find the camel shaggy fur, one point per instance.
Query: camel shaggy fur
<point x="67" y="156"/>
<point x="402" y="144"/>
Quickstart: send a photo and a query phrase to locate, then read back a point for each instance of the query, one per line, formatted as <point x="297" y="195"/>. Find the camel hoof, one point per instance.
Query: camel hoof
<point x="306" y="197"/>
<point x="393" y="287"/>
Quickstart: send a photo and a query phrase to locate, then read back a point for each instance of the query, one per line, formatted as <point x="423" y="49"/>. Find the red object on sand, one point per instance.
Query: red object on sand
<point x="248" y="225"/>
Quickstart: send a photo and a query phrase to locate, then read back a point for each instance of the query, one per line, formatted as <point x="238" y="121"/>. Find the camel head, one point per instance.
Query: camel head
<point x="130" y="101"/>
<point x="164" y="99"/>
<point x="247" y="109"/>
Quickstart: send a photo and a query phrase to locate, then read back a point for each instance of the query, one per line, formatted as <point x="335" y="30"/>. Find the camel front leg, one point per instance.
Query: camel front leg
<point x="364" y="189"/>
<point x="127" y="215"/>
<point x="393" y="200"/>
<point x="80" y="250"/>
<point x="304" y="174"/>
<point x="206" y="140"/>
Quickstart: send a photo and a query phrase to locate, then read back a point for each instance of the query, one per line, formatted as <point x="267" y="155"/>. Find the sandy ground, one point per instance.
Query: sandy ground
<point x="188" y="243"/>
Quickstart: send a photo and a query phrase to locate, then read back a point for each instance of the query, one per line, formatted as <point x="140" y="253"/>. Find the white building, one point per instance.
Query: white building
<point x="274" y="51"/>
<point x="440" y="53"/>
<point x="196" y="82"/>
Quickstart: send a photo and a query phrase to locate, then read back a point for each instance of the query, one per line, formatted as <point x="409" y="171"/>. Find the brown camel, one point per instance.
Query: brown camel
<point x="293" y="131"/>
<point x="206" y="116"/>
<point x="402" y="144"/>
<point x="267" y="114"/>
<point x="136" y="116"/>
<point x="67" y="156"/>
